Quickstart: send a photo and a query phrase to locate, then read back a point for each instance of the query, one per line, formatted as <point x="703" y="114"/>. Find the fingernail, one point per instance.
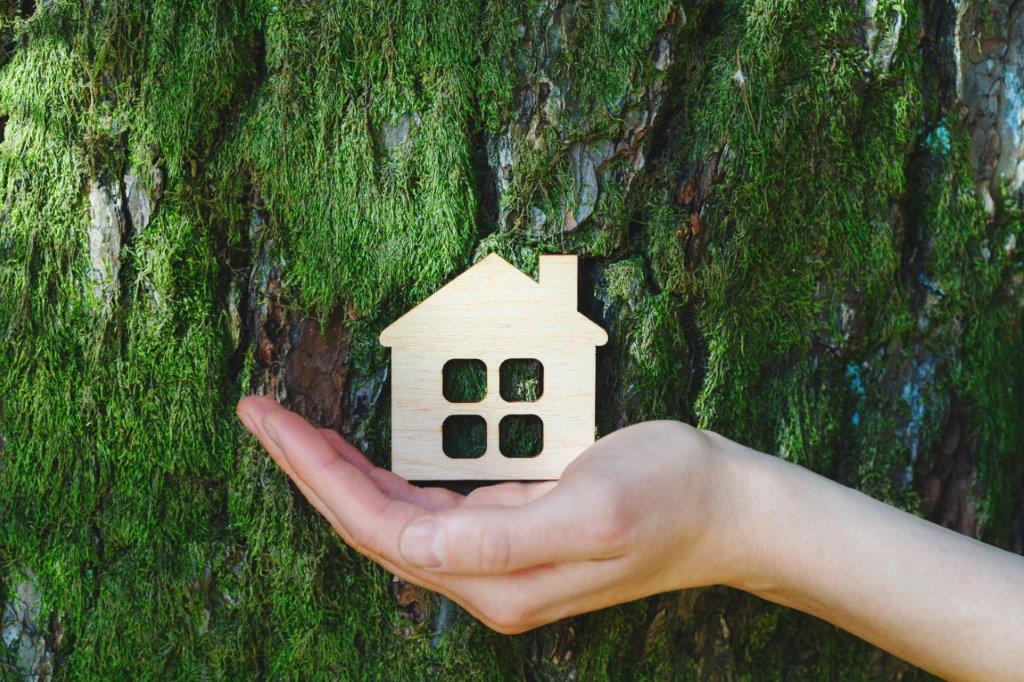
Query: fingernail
<point x="271" y="434"/>
<point x="421" y="544"/>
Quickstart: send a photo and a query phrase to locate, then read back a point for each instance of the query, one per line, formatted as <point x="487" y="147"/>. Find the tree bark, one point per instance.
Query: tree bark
<point x="801" y="225"/>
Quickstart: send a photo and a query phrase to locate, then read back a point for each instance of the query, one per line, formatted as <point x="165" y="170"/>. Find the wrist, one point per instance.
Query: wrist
<point x="745" y="514"/>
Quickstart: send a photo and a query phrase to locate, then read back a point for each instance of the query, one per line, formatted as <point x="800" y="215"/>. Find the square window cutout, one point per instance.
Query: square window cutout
<point x="520" y="435"/>
<point x="464" y="381"/>
<point x="464" y="436"/>
<point x="521" y="380"/>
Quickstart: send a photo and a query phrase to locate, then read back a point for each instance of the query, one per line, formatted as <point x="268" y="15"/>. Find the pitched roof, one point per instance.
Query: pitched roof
<point x="495" y="295"/>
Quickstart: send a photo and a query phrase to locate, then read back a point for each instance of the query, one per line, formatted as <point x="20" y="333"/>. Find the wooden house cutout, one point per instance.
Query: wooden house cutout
<point x="493" y="313"/>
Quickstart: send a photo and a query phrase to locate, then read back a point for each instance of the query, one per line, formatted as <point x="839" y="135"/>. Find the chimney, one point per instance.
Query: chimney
<point x="559" y="279"/>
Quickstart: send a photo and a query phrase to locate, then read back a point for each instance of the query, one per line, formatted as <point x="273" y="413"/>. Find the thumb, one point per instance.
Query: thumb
<point x="484" y="540"/>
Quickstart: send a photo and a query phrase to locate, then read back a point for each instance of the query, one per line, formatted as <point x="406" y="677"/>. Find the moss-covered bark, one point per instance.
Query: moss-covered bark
<point x="800" y="222"/>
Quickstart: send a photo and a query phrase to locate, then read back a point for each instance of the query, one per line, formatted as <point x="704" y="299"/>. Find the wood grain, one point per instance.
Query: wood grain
<point x="493" y="312"/>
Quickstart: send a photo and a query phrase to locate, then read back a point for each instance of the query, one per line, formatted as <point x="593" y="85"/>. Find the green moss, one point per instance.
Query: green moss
<point x="345" y="143"/>
<point x="521" y="379"/>
<point x="976" y="282"/>
<point x="360" y="210"/>
<point x="109" y="423"/>
<point x="151" y="525"/>
<point x="826" y="217"/>
<point x="464" y="380"/>
<point x="549" y="55"/>
<point x="649" y="346"/>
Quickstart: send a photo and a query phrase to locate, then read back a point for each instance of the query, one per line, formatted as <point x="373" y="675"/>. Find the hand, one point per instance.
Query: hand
<point x="645" y="510"/>
<point x="662" y="506"/>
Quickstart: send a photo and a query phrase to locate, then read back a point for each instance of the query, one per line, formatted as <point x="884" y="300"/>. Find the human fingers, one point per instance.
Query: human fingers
<point x="251" y="411"/>
<point x="516" y="602"/>
<point x="510" y="494"/>
<point x="391" y="484"/>
<point x="370" y="518"/>
<point x="254" y="410"/>
<point x="507" y="603"/>
<point x="567" y="524"/>
<point x="256" y="413"/>
<point x="346" y="450"/>
<point x="481" y="596"/>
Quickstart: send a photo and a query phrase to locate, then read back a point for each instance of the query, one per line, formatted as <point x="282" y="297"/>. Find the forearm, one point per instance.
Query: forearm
<point x="661" y="506"/>
<point x="943" y="601"/>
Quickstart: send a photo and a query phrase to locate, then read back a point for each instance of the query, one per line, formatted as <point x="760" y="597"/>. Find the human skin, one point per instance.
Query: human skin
<point x="663" y="506"/>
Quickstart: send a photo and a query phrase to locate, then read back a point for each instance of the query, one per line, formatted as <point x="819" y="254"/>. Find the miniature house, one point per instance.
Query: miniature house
<point x="491" y="316"/>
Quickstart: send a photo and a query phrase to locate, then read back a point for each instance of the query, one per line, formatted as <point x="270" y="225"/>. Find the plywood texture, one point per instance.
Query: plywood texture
<point x="493" y="312"/>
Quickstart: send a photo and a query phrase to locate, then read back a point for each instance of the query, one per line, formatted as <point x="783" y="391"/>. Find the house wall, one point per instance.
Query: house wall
<point x="566" y="407"/>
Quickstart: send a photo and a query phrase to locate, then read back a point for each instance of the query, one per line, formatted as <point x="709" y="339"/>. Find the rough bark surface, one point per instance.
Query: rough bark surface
<point x="801" y="225"/>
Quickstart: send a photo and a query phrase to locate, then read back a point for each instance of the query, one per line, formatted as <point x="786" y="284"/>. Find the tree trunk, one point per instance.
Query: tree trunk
<point x="800" y="223"/>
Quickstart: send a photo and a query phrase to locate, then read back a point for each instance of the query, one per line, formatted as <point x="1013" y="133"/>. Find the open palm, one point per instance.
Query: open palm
<point x="518" y="555"/>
